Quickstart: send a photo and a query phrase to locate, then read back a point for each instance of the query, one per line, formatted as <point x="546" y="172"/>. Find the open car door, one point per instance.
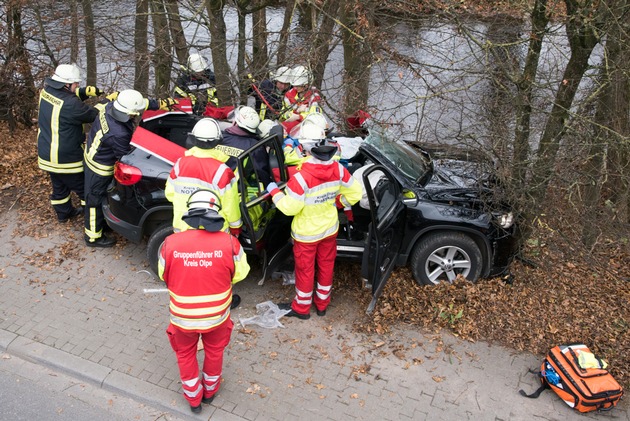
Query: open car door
<point x="266" y="232"/>
<point x="386" y="229"/>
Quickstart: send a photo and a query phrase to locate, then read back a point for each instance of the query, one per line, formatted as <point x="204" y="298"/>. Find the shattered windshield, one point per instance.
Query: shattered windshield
<point x="402" y="156"/>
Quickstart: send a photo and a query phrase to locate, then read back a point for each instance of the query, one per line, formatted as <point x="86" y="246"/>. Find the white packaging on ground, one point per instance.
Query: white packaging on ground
<point x="268" y="316"/>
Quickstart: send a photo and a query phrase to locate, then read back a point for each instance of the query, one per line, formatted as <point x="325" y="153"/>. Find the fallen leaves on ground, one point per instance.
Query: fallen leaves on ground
<point x="565" y="295"/>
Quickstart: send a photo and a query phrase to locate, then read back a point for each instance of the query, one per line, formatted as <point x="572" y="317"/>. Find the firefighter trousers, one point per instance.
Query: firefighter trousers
<point x="95" y="194"/>
<point x="308" y="255"/>
<point x="62" y="186"/>
<point x="184" y="343"/>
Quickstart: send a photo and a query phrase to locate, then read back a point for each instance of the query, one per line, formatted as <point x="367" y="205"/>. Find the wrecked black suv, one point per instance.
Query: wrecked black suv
<point x="433" y="213"/>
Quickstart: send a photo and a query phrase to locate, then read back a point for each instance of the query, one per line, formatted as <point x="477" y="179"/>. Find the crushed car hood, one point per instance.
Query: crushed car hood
<point x="460" y="175"/>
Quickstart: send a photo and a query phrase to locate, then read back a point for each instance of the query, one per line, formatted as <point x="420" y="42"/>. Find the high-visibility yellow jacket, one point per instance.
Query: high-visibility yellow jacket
<point x="203" y="169"/>
<point x="310" y="196"/>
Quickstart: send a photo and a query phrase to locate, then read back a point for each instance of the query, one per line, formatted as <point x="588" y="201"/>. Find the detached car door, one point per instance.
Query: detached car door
<point x="386" y="229"/>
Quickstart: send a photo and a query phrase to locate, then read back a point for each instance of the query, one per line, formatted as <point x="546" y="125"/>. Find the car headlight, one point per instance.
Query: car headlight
<point x="505" y="220"/>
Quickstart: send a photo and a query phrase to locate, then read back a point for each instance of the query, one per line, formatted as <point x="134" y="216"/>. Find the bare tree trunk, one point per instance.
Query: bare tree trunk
<point x="583" y="36"/>
<point x="162" y="52"/>
<point x="260" y="54"/>
<point x="241" y="47"/>
<point x="141" y="45"/>
<point x="618" y="162"/>
<point x="74" y="30"/>
<point x="74" y="37"/>
<point x="323" y="40"/>
<point x="17" y="85"/>
<point x="177" y="31"/>
<point x="90" y="41"/>
<point x="525" y="85"/>
<point x="611" y="124"/>
<point x="357" y="55"/>
<point x="219" y="51"/>
<point x="284" y="33"/>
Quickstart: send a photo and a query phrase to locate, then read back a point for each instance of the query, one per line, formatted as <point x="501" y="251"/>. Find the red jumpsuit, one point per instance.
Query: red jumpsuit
<point x="199" y="268"/>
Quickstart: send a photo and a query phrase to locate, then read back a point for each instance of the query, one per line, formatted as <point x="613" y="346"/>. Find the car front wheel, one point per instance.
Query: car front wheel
<point x="440" y="257"/>
<point x="155" y="244"/>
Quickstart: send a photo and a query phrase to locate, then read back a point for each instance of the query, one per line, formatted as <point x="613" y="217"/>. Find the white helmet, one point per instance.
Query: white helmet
<point x="247" y="119"/>
<point x="300" y="76"/>
<point x="204" y="199"/>
<point x="129" y="102"/>
<point x="283" y="75"/>
<point x="67" y="73"/>
<point x="311" y="132"/>
<point x="265" y="126"/>
<point x="203" y="211"/>
<point x="318" y="119"/>
<point x="207" y="133"/>
<point x="197" y="63"/>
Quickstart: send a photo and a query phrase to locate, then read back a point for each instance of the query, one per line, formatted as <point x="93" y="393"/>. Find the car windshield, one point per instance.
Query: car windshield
<point x="402" y="156"/>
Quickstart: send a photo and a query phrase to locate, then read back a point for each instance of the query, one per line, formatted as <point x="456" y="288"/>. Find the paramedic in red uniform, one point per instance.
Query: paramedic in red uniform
<point x="199" y="266"/>
<point x="301" y="100"/>
<point x="310" y="195"/>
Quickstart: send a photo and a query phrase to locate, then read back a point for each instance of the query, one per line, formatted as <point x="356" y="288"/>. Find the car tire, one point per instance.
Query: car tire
<point x="440" y="257"/>
<point x="155" y="244"/>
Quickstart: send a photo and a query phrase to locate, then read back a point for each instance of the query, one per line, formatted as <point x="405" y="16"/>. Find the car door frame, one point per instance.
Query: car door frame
<point x="270" y="260"/>
<point x="385" y="234"/>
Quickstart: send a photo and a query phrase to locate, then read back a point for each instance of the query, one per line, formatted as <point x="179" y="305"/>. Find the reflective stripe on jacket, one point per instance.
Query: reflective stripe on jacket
<point x="107" y="142"/>
<point x="60" y="135"/>
<point x="310" y="195"/>
<point x="199" y="268"/>
<point x="203" y="169"/>
<point x="189" y="84"/>
<point x="292" y="100"/>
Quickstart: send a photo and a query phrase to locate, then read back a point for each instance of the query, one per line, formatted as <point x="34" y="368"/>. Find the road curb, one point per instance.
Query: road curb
<point x="104" y="377"/>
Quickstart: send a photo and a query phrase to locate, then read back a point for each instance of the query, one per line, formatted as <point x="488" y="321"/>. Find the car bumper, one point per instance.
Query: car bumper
<point x="127" y="230"/>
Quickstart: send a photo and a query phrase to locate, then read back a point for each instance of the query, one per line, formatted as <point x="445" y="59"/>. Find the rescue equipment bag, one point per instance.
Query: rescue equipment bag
<point x="579" y="378"/>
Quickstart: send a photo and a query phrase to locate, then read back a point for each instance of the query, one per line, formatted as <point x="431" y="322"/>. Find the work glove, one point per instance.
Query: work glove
<point x="302" y="108"/>
<point x="271" y="187"/>
<point x="93" y="91"/>
<point x="167" y="104"/>
<point x="236" y="231"/>
<point x="291" y="142"/>
<point x="113" y="96"/>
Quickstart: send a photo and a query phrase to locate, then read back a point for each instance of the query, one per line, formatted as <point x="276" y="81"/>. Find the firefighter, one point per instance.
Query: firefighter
<point x="203" y="166"/>
<point x="241" y="136"/>
<point x="109" y="139"/>
<point x="311" y="195"/>
<point x="197" y="82"/>
<point x="294" y="152"/>
<point x="60" y="137"/>
<point x="269" y="94"/>
<point x="301" y="100"/>
<point x="199" y="266"/>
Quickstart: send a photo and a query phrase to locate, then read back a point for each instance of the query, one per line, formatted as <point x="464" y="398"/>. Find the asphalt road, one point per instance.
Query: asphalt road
<point x="30" y="392"/>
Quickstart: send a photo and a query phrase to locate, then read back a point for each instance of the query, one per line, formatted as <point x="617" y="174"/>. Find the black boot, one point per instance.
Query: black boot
<point x="102" y="241"/>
